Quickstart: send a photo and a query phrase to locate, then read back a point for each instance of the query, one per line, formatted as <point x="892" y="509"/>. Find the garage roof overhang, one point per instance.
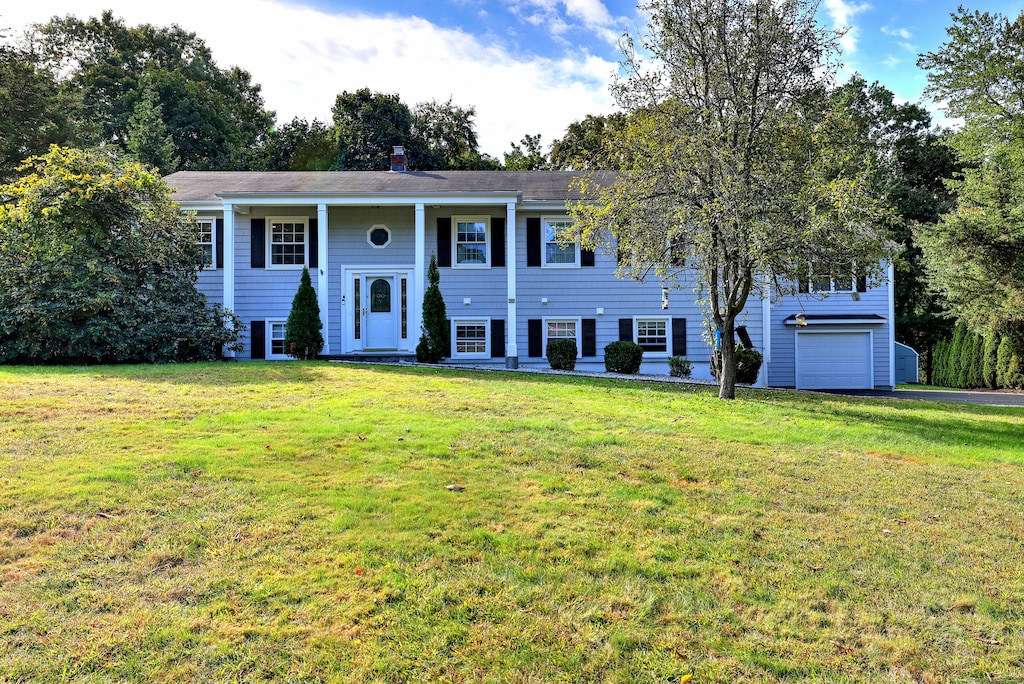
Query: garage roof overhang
<point x="834" y="319"/>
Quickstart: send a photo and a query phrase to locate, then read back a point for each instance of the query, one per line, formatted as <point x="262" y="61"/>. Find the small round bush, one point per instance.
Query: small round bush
<point x="562" y="354"/>
<point x="679" y="367"/>
<point x="623" y="357"/>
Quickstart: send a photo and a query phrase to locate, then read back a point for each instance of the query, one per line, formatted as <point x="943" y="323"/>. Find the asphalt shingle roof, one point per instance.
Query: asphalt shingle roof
<point x="205" y="186"/>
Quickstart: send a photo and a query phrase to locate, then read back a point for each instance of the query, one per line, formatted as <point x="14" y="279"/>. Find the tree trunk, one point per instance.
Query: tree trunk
<point x="727" y="367"/>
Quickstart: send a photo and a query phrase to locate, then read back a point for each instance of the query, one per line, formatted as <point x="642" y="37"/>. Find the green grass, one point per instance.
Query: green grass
<point x="291" y="521"/>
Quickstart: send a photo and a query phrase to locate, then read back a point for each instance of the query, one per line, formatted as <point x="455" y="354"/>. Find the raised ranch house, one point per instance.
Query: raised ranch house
<point x="509" y="286"/>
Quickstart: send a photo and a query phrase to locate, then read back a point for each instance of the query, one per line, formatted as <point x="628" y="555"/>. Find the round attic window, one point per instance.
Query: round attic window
<point x="379" y="236"/>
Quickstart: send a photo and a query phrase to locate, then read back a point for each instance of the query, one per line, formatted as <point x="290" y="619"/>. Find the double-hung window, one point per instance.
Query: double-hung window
<point x="558" y="252"/>
<point x="471" y="237"/>
<point x="562" y="329"/>
<point x="276" y="339"/>
<point x="204" y="227"/>
<point x="288" y="242"/>
<point x="470" y="338"/>
<point x="652" y="334"/>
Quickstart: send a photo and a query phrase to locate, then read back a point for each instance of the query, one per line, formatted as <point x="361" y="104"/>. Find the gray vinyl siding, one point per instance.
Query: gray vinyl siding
<point x="211" y="284"/>
<point x="580" y="292"/>
<point x="263" y="293"/>
<point x="782" y="369"/>
<point x="485" y="288"/>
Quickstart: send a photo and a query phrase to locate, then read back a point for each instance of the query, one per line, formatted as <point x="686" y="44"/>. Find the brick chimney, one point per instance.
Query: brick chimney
<point x="398" y="160"/>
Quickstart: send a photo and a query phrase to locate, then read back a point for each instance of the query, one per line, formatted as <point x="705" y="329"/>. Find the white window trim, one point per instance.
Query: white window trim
<point x="557" y="319"/>
<point x="270" y="220"/>
<point x="668" y="335"/>
<point x="455" y="240"/>
<point x="213" y="240"/>
<point x="269" y="326"/>
<point x="544" y="243"/>
<point x="369" y="232"/>
<point x="487" y="338"/>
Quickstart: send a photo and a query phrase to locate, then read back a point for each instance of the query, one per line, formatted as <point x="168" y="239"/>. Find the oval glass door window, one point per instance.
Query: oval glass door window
<point x="380" y="296"/>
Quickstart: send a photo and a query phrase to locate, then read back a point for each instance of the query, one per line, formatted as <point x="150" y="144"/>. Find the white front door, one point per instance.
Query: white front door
<point x="381" y="321"/>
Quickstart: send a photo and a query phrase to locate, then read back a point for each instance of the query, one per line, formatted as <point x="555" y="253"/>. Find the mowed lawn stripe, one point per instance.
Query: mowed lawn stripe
<point x="292" y="521"/>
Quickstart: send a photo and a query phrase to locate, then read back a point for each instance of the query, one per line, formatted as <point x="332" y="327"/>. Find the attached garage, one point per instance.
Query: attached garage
<point x="834" y="359"/>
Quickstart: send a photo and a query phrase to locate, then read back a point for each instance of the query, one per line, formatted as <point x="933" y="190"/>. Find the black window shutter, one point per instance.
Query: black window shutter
<point x="258" y="256"/>
<point x="497" y="338"/>
<point x="444" y="242"/>
<point x="313" y="258"/>
<point x="219" y="240"/>
<point x="259" y="339"/>
<point x="498" y="240"/>
<point x="626" y="329"/>
<point x="741" y="332"/>
<point x="862" y="283"/>
<point x="586" y="257"/>
<point x="533" y="242"/>
<point x="589" y="337"/>
<point x="678" y="337"/>
<point x="535" y="334"/>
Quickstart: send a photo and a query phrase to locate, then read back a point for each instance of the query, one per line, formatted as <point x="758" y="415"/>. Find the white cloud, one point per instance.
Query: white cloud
<point x="304" y="57"/>
<point x="891" y="61"/>
<point x="841" y="13"/>
<point x="897" y="32"/>
<point x="591" y="15"/>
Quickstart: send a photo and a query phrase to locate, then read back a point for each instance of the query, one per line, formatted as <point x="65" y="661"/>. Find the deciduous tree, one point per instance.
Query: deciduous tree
<point x="975" y="254"/>
<point x="734" y="161"/>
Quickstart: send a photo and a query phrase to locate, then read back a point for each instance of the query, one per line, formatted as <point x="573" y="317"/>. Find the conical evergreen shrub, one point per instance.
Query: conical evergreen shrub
<point x="436" y="337"/>
<point x="302" y="337"/>
<point x="991" y="360"/>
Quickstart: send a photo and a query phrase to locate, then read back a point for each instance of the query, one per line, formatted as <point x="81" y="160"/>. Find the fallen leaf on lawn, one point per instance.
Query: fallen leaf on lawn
<point x="196" y="473"/>
<point x="886" y="532"/>
<point x="685" y="678"/>
<point x="455" y="488"/>
<point x="814" y="568"/>
<point x="842" y="647"/>
<point x="361" y="438"/>
<point x="991" y="642"/>
<point x="270" y="447"/>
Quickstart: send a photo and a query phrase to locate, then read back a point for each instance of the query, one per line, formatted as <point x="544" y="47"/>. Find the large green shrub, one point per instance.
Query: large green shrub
<point x="623" y="357"/>
<point x="1003" y="354"/>
<point x="302" y="337"/>
<point x="561" y="354"/>
<point x="748" y="365"/>
<point x="98" y="264"/>
<point x="679" y="367"/>
<point x="435" y="338"/>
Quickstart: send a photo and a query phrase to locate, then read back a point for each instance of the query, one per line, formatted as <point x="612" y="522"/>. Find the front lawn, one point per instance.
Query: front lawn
<point x="293" y="521"/>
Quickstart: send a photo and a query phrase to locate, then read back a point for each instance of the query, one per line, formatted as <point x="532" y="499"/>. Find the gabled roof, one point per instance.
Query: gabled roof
<point x="211" y="186"/>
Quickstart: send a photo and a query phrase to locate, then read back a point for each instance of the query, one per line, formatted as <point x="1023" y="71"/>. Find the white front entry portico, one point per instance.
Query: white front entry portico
<point x="375" y="309"/>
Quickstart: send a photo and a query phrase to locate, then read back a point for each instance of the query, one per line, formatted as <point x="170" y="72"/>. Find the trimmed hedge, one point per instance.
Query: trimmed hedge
<point x="623" y="357"/>
<point x="562" y="354"/>
<point x="972" y="360"/>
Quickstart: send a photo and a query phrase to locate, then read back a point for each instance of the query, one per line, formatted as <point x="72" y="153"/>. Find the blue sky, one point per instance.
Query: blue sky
<point x="528" y="66"/>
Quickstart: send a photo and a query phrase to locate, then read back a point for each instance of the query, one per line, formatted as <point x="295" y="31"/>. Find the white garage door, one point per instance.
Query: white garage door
<point x="833" y="360"/>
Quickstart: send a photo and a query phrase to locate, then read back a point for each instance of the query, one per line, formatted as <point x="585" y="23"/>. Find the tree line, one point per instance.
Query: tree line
<point x="157" y="94"/>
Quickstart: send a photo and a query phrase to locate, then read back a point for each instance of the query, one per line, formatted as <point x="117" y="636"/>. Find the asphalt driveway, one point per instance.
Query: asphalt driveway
<point x="980" y="397"/>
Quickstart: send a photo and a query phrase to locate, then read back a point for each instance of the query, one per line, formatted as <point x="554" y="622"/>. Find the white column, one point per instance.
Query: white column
<point x="511" y="351"/>
<point x="418" y="286"/>
<point x="229" y="261"/>
<point x="890" y="276"/>
<point x="766" y="332"/>
<point x="321" y="285"/>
